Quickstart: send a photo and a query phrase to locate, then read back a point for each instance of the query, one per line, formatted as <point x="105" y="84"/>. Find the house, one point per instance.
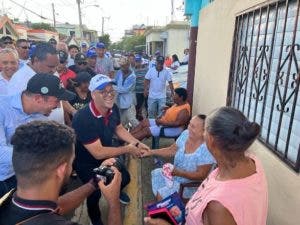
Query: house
<point x="41" y="35"/>
<point x="170" y="39"/>
<point x="22" y="31"/>
<point x="136" y="30"/>
<point x="248" y="57"/>
<point x="69" y="30"/>
<point x="7" y="28"/>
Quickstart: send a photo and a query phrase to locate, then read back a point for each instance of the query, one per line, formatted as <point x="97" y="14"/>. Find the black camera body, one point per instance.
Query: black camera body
<point x="105" y="173"/>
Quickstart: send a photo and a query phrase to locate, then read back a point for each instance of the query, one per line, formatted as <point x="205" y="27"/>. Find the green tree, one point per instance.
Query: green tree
<point x="105" y="39"/>
<point x="44" y="26"/>
<point x="133" y="43"/>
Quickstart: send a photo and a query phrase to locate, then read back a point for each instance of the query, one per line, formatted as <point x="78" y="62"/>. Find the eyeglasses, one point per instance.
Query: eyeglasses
<point x="24" y="47"/>
<point x="82" y="63"/>
<point x="106" y="93"/>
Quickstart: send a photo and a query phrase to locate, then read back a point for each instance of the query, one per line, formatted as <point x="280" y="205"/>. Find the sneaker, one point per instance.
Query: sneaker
<point x="124" y="198"/>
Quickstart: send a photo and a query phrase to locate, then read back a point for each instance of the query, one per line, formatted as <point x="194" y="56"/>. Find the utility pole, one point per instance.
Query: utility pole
<point x="103" y="18"/>
<point x="53" y="12"/>
<point x="172" y="10"/>
<point x="80" y="21"/>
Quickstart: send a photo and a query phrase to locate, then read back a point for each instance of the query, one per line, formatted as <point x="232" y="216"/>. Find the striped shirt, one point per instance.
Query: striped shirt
<point x="140" y="77"/>
<point x="11" y="116"/>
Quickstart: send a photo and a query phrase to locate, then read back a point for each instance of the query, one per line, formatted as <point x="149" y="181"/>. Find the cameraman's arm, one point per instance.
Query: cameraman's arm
<point x="111" y="193"/>
<point x="71" y="200"/>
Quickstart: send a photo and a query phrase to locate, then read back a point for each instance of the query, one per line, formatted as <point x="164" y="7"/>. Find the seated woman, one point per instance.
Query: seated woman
<point x="175" y="62"/>
<point x="192" y="160"/>
<point x="174" y="118"/>
<point x="236" y="192"/>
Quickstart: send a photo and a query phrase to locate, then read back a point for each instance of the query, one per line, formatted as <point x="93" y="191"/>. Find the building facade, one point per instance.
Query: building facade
<point x="169" y="40"/>
<point x="248" y="57"/>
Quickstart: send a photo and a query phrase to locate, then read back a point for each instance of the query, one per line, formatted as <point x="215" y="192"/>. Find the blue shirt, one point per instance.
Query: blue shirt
<point x="11" y="116"/>
<point x="125" y="88"/>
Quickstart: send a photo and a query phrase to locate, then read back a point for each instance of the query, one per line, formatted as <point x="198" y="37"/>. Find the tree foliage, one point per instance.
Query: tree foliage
<point x="133" y="43"/>
<point x="105" y="39"/>
<point x="44" y="26"/>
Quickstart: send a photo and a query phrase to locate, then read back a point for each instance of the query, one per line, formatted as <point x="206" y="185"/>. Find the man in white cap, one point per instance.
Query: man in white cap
<point x="95" y="126"/>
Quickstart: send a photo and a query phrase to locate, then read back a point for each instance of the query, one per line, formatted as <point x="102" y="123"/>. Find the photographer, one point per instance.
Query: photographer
<point x="43" y="153"/>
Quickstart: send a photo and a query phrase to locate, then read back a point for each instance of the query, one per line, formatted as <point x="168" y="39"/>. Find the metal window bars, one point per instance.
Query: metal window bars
<point x="264" y="75"/>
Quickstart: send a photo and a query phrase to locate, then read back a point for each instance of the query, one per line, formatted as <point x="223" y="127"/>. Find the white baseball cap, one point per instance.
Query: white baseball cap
<point x="99" y="82"/>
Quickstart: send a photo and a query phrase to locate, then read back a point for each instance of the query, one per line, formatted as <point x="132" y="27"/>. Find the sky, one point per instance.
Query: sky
<point x="120" y="14"/>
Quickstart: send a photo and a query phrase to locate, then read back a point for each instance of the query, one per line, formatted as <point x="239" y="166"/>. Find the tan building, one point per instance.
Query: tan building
<point x="169" y="40"/>
<point x="22" y="31"/>
<point x="41" y="35"/>
<point x="248" y="57"/>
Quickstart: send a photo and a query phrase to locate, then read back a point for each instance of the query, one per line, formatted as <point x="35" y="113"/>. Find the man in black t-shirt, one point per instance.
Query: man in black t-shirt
<point x="95" y="126"/>
<point x="43" y="152"/>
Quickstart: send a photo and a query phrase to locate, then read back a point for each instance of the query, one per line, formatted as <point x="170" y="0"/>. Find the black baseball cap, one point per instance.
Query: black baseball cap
<point x="48" y="85"/>
<point x="80" y="57"/>
<point x="160" y="59"/>
<point x="52" y="41"/>
<point x="63" y="56"/>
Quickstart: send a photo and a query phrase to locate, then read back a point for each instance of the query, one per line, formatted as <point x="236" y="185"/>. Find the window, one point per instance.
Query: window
<point x="264" y="75"/>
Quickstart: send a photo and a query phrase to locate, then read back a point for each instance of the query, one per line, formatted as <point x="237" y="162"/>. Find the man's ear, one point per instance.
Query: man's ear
<point x="61" y="170"/>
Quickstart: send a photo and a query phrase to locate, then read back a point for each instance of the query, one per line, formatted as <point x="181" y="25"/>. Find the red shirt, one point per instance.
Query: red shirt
<point x="66" y="75"/>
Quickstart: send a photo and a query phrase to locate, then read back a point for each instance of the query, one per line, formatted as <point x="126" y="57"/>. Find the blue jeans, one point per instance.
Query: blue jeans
<point x="155" y="107"/>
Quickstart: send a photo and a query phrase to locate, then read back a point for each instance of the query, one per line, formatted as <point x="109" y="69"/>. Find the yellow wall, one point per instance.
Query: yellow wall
<point x="214" y="45"/>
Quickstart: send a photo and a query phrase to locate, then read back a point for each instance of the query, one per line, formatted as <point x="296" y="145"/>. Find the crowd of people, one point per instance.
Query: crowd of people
<point x="62" y="107"/>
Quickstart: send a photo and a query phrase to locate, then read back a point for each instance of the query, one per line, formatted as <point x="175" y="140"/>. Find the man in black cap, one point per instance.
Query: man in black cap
<point x="42" y="95"/>
<point x="155" y="87"/>
<point x="81" y="64"/>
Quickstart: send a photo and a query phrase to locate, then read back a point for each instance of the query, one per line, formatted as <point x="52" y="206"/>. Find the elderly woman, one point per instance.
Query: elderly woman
<point x="192" y="160"/>
<point x="236" y="192"/>
<point x="8" y="65"/>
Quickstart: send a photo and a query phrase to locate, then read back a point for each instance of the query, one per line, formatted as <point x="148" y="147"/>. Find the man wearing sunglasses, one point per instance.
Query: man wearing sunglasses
<point x="81" y="64"/>
<point x="7" y="42"/>
<point x="22" y="47"/>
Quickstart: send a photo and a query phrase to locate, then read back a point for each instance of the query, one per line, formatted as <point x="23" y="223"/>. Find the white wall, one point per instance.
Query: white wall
<point x="214" y="45"/>
<point x="178" y="40"/>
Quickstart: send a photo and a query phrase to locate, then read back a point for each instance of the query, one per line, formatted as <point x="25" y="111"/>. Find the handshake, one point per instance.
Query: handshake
<point x="137" y="150"/>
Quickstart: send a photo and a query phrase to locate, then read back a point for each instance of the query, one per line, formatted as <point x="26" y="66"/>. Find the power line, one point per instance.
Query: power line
<point x="29" y="10"/>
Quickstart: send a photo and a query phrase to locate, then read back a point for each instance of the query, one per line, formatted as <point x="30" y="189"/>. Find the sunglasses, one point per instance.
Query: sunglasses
<point x="24" y="47"/>
<point x="8" y="42"/>
<point x="82" y="63"/>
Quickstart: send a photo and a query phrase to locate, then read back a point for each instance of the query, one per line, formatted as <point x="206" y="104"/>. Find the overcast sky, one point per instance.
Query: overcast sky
<point x="122" y="13"/>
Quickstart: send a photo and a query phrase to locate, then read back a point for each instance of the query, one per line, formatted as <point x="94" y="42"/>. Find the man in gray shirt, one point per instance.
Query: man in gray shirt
<point x="103" y="64"/>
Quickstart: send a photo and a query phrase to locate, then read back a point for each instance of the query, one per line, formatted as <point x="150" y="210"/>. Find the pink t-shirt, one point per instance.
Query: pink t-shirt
<point x="246" y="199"/>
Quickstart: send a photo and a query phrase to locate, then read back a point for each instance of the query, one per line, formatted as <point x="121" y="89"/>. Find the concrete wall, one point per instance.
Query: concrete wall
<point x="214" y="45"/>
<point x="178" y="40"/>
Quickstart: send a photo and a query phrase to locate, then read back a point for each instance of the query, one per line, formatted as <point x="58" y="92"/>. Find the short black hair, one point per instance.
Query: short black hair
<point x="39" y="147"/>
<point x="19" y="41"/>
<point x="73" y="46"/>
<point x="42" y="50"/>
<point x="181" y="92"/>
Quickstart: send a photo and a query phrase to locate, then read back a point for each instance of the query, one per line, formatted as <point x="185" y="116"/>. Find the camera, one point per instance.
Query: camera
<point x="105" y="173"/>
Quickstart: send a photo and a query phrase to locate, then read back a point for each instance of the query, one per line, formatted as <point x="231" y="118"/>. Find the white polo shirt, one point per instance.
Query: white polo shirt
<point x="157" y="89"/>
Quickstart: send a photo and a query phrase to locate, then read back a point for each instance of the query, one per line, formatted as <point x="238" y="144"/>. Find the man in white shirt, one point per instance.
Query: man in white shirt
<point x="155" y="87"/>
<point x="43" y="60"/>
<point x="22" y="47"/>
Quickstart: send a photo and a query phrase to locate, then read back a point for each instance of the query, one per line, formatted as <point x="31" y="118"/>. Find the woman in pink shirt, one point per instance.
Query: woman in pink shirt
<point x="236" y="192"/>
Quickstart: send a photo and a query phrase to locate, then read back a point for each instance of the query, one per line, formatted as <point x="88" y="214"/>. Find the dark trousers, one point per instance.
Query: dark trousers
<point x="92" y="202"/>
<point x="7" y="185"/>
<point x="140" y="100"/>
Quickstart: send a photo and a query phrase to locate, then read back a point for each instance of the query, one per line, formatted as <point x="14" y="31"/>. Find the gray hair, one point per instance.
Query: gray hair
<point x="231" y="130"/>
<point x="9" y="51"/>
